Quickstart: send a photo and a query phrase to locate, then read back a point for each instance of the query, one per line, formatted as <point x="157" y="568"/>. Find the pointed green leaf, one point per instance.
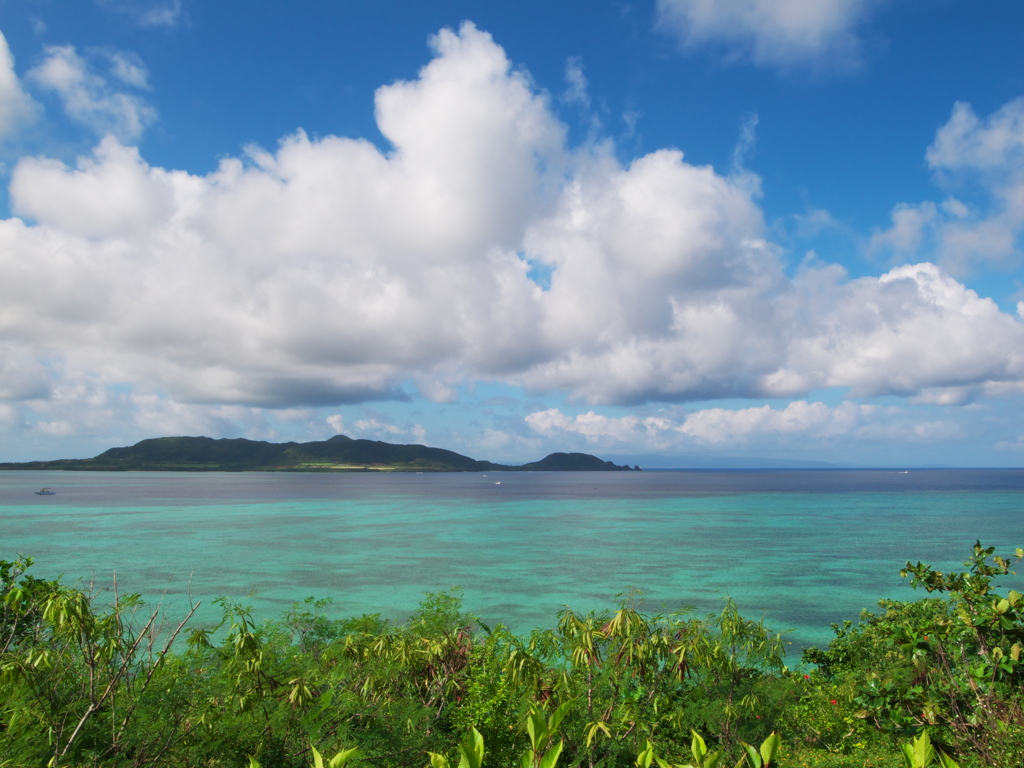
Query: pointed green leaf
<point x="536" y="727"/>
<point x="769" y="747"/>
<point x="646" y="757"/>
<point x="342" y="757"/>
<point x="556" y="718"/>
<point x="753" y="755"/>
<point x="472" y="748"/>
<point x="594" y="727"/>
<point x="698" y="748"/>
<point x="438" y="761"/>
<point x="551" y="758"/>
<point x="924" y="752"/>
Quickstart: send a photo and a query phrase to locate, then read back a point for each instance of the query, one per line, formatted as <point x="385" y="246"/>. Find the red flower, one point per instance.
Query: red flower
<point x="807" y="677"/>
<point x="832" y="701"/>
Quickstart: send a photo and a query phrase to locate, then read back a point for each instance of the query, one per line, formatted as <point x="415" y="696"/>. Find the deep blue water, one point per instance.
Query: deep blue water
<point x="802" y="548"/>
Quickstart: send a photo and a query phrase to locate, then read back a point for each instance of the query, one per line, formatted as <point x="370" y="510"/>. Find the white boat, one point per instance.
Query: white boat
<point x="46" y="492"/>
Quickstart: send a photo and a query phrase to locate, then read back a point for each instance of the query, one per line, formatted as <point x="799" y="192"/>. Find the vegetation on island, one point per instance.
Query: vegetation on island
<point x="338" y="454"/>
<point x="934" y="681"/>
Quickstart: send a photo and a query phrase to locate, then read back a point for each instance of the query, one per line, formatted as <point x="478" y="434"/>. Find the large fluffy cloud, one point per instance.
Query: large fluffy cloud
<point x="914" y="328"/>
<point x="773" y="32"/>
<point x="661" y="277"/>
<point x="479" y="245"/>
<point x="327" y="271"/>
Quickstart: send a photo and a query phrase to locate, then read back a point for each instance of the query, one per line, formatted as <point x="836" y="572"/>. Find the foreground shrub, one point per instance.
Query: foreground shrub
<point x="83" y="684"/>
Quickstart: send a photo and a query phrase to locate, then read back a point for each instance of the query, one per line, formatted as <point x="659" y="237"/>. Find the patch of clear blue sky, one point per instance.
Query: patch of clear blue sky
<point x="540" y="273"/>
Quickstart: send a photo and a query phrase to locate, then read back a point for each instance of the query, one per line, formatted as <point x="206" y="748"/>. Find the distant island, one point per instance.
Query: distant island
<point x="338" y="454"/>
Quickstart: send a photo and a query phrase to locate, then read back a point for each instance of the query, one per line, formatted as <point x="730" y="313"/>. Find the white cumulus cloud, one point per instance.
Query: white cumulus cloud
<point x="968" y="153"/>
<point x="111" y="194"/>
<point x="328" y="271"/>
<point x="914" y="328"/>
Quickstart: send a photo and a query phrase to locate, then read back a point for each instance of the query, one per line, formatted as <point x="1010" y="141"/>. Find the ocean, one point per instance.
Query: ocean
<point x="800" y="548"/>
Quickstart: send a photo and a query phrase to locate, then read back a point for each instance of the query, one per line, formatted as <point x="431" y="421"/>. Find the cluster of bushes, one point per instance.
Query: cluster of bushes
<point x="84" y="685"/>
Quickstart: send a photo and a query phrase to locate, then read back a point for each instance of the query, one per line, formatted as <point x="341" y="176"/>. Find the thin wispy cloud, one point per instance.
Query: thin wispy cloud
<point x="148" y="14"/>
<point x="17" y="108"/>
<point x="91" y="99"/>
<point x="775" y="33"/>
<point x="800" y="423"/>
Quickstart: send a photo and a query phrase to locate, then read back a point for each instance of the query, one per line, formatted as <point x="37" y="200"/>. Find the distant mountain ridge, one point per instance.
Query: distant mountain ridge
<point x="338" y="454"/>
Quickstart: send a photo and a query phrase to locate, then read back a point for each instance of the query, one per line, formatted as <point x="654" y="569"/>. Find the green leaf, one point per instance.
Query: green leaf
<point x="318" y="760"/>
<point x="769" y="747"/>
<point x="924" y="752"/>
<point x="556" y="718"/>
<point x="698" y="748"/>
<point x="342" y="757"/>
<point x="753" y="755"/>
<point x="536" y="727"/>
<point x="594" y="727"/>
<point x="438" y="761"/>
<point x="472" y="749"/>
<point x="551" y="758"/>
<point x="645" y="758"/>
<point x="920" y="753"/>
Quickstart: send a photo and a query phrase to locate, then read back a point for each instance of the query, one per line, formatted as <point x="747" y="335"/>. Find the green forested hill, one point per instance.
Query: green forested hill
<point x="570" y="462"/>
<point x="338" y="454"/>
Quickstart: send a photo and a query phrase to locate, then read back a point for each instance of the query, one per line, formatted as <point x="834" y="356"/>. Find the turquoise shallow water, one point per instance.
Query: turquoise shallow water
<point x="802" y="548"/>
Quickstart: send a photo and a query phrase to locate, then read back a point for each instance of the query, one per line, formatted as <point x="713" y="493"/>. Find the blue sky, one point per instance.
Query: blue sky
<point x="660" y="231"/>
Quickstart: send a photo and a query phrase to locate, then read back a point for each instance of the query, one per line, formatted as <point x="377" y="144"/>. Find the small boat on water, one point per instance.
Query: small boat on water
<point x="46" y="492"/>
